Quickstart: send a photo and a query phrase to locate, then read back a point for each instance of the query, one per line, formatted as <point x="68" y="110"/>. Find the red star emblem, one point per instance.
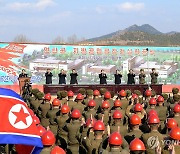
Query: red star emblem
<point x="21" y="116"/>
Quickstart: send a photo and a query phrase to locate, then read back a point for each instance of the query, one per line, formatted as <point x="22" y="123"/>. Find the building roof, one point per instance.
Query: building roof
<point x="50" y="60"/>
<point x="103" y="67"/>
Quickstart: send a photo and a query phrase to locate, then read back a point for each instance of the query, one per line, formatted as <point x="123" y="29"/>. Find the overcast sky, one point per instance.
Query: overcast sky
<point x="44" y="20"/>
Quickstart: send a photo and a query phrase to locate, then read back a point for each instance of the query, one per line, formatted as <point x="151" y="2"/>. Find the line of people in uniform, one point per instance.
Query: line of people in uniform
<point x="103" y="77"/>
<point x="102" y="122"/>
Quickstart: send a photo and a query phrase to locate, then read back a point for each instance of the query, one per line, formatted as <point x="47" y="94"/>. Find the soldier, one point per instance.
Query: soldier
<point x="57" y="150"/>
<point x="117" y="106"/>
<point x="62" y="77"/>
<point x="115" y="143"/>
<point x="70" y="101"/>
<point x="170" y="124"/>
<point x="104" y="115"/>
<point x="48" y="76"/>
<point x="37" y="102"/>
<point x="162" y="112"/>
<point x="154" y="134"/>
<point x="43" y="109"/>
<point x="142" y="77"/>
<point x="82" y="91"/>
<point x="147" y="94"/>
<point x="63" y="97"/>
<point x="117" y="77"/>
<point x="117" y="124"/>
<point x="34" y="95"/>
<point x="137" y="146"/>
<point x="136" y="109"/>
<point x="103" y="77"/>
<point x="176" y="115"/>
<point x="152" y="105"/>
<point x="154" y="76"/>
<point x="48" y="140"/>
<point x="91" y="111"/>
<point x="172" y="142"/>
<point x="74" y="76"/>
<point x="79" y="105"/>
<point x="107" y="97"/>
<point x="131" y="77"/>
<point x="173" y="102"/>
<point x="123" y="99"/>
<point x="97" y="99"/>
<point x="88" y="128"/>
<point x="165" y="96"/>
<point x="89" y="93"/>
<point x="175" y="91"/>
<point x="128" y="94"/>
<point x="92" y="145"/>
<point x="74" y="129"/>
<point x="51" y="114"/>
<point x="102" y="92"/>
<point x="62" y="119"/>
<point x="135" y="132"/>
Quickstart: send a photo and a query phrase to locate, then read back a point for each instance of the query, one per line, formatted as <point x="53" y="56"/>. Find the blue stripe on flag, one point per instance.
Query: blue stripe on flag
<point x="18" y="139"/>
<point x="9" y="92"/>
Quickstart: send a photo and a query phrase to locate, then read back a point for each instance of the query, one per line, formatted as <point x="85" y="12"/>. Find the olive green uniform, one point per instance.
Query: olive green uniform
<point x="73" y="129"/>
<point x="154" y="77"/>
<point x="52" y="115"/>
<point x="42" y="112"/>
<point x="157" y="136"/>
<point x="142" y="77"/>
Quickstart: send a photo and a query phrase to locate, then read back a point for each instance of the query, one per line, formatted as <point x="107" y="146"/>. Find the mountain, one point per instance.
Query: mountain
<point x="172" y="32"/>
<point x="144" y="28"/>
<point x="138" y="35"/>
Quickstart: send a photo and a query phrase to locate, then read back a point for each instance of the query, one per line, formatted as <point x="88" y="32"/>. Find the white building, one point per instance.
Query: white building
<point x="41" y="65"/>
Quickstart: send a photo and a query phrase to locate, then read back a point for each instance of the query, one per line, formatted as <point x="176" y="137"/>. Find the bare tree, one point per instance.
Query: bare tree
<point x="58" y="40"/>
<point x="21" y="39"/>
<point x="72" y="39"/>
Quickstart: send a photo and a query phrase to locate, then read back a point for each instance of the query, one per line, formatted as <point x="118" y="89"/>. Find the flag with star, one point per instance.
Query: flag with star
<point x="16" y="125"/>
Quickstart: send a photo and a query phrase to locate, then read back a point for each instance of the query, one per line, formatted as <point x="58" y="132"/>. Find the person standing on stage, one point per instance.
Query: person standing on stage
<point x="23" y="74"/>
<point x="131" y="77"/>
<point x="73" y="77"/>
<point x="154" y="76"/>
<point x="142" y="77"/>
<point x="48" y="76"/>
<point x="62" y="77"/>
<point x="103" y="77"/>
<point x="118" y="77"/>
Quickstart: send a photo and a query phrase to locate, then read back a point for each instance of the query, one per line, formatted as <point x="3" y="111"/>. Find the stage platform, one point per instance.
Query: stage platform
<point x="53" y="89"/>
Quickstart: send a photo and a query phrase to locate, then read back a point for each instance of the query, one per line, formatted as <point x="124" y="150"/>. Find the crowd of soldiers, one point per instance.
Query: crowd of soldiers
<point x="105" y="122"/>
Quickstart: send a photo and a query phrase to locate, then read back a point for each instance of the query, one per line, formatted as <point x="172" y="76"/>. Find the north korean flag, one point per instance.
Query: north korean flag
<point x="16" y="124"/>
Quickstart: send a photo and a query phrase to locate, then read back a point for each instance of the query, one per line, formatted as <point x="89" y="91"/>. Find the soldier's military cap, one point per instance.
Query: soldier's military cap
<point x="82" y="91"/>
<point x="102" y="91"/>
<point x="137" y="92"/>
<point x="128" y="93"/>
<point x="40" y="95"/>
<point x="165" y="96"/>
<point x="175" y="90"/>
<point x="89" y="92"/>
<point x="176" y="97"/>
<point x="63" y="94"/>
<point x="35" y="91"/>
<point x="59" y="95"/>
